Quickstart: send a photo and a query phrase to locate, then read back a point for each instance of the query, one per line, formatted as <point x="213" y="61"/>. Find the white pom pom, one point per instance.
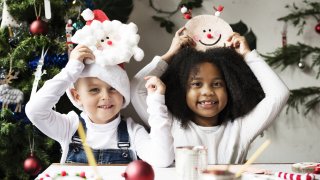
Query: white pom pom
<point x="183" y="10"/>
<point x="87" y="14"/>
<point x="116" y="24"/>
<point x="138" y="54"/>
<point x="217" y="13"/>
<point x="96" y="24"/>
<point x="133" y="27"/>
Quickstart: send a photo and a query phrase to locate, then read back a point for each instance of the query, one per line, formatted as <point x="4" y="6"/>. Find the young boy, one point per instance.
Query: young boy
<point x="100" y="92"/>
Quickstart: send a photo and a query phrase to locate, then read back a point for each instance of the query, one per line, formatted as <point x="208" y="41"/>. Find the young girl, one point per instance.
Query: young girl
<point x="213" y="97"/>
<point x="100" y="92"/>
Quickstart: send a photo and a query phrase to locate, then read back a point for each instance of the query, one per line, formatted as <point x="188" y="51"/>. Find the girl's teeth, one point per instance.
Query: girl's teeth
<point x="208" y="102"/>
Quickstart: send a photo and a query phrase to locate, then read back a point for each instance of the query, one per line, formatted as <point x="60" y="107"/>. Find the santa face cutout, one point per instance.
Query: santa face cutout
<point x="111" y="38"/>
<point x="111" y="42"/>
<point x="208" y="31"/>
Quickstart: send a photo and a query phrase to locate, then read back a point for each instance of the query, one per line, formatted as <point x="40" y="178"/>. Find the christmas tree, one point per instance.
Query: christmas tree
<point x="34" y="46"/>
<point x="306" y="98"/>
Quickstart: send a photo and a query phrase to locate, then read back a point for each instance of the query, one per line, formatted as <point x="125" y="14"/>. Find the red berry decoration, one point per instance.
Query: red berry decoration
<point x="317" y="28"/>
<point x="82" y="174"/>
<point x="63" y="173"/>
<point x="32" y="165"/>
<point x="39" y="27"/>
<point x="187" y="16"/>
<point x="138" y="170"/>
<point x="220" y="8"/>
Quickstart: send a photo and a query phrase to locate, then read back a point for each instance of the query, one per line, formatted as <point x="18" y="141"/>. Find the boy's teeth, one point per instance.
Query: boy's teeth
<point x="105" y="106"/>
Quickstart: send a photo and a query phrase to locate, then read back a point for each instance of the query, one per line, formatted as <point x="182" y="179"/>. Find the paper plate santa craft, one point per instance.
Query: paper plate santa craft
<point x="208" y="31"/>
<point x="112" y="42"/>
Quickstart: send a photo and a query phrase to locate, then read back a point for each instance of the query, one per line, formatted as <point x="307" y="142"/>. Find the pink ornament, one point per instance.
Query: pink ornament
<point x="138" y="170"/>
<point x="32" y="165"/>
<point x="39" y="27"/>
<point x="317" y="28"/>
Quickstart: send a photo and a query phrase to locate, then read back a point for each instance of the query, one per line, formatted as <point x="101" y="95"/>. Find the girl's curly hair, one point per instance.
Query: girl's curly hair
<point x="243" y="89"/>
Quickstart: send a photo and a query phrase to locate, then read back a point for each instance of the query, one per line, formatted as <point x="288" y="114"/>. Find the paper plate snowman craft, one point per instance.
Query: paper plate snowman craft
<point x="208" y="31"/>
<point x="112" y="42"/>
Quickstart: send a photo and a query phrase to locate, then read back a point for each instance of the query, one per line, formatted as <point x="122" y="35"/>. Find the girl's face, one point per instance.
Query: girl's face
<point x="206" y="94"/>
<point x="99" y="100"/>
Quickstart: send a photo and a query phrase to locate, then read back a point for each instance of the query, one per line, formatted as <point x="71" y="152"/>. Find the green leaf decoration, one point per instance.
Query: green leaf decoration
<point x="291" y="55"/>
<point x="243" y="30"/>
<point x="310" y="97"/>
<point x="298" y="15"/>
<point x="165" y="21"/>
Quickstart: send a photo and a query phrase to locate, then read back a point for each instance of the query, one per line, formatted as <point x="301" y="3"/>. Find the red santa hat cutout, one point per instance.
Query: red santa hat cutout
<point x="208" y="31"/>
<point x="112" y="44"/>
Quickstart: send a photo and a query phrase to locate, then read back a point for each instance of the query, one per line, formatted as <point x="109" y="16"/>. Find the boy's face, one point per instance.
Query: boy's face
<point x="99" y="100"/>
<point x="206" y="94"/>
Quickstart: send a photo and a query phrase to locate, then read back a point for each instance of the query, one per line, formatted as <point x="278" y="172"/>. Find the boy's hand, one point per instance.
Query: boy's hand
<point x="239" y="43"/>
<point x="155" y="85"/>
<point x="180" y="40"/>
<point x="81" y="53"/>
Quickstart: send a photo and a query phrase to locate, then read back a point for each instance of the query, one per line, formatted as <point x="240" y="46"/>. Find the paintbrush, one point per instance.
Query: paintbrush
<point x="88" y="151"/>
<point x="254" y="156"/>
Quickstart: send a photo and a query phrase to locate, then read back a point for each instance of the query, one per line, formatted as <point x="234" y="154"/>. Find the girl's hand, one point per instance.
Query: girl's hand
<point x="81" y="53"/>
<point x="155" y="85"/>
<point x="239" y="43"/>
<point x="180" y="40"/>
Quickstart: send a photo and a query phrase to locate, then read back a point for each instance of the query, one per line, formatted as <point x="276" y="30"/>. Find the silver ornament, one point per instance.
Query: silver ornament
<point x="301" y="64"/>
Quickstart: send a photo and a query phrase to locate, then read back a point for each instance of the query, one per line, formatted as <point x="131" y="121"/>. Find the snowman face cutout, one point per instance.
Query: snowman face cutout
<point x="208" y="31"/>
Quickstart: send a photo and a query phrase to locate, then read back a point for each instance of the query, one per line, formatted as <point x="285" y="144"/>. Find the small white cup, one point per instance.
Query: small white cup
<point x="190" y="161"/>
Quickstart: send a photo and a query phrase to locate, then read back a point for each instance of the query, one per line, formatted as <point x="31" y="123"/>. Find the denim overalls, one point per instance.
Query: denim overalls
<point x="123" y="155"/>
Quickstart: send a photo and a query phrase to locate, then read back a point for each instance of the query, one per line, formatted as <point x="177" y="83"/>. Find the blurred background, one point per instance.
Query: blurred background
<point x="286" y="33"/>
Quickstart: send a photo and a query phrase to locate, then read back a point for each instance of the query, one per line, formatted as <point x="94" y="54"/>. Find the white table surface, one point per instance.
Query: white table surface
<point x="114" y="172"/>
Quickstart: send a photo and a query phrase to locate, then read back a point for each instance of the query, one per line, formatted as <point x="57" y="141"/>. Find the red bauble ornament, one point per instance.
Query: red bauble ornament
<point x="32" y="165"/>
<point x="139" y="170"/>
<point x="317" y="28"/>
<point x="39" y="27"/>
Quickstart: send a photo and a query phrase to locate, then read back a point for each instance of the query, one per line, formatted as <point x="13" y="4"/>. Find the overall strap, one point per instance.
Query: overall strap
<point x="123" y="136"/>
<point x="76" y="138"/>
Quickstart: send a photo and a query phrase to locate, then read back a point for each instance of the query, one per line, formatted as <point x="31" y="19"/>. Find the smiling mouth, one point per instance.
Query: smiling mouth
<point x="105" y="106"/>
<point x="212" y="43"/>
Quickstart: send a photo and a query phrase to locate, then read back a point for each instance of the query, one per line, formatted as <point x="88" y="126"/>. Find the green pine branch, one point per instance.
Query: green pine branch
<point x="299" y="15"/>
<point x="292" y="55"/>
<point x="307" y="97"/>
